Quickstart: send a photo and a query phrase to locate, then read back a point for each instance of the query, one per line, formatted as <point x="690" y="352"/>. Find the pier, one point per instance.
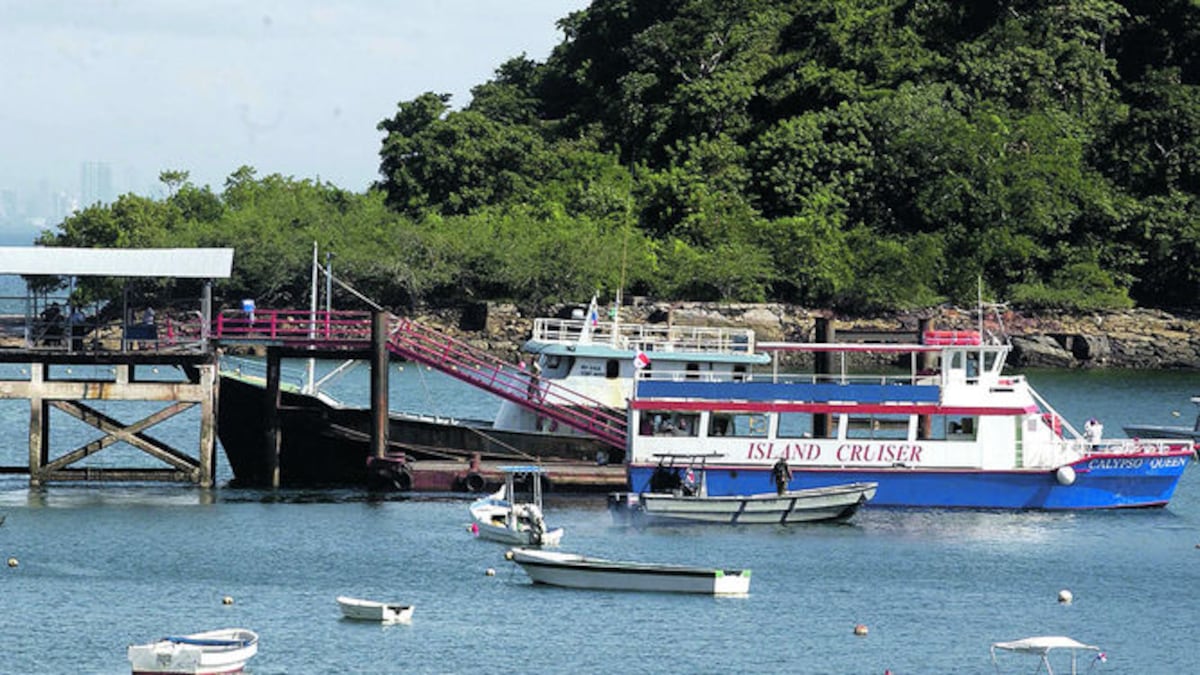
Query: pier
<point x="59" y="359"/>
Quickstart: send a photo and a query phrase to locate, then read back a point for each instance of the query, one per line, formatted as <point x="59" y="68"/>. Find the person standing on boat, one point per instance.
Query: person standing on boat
<point x="782" y="474"/>
<point x="1093" y="430"/>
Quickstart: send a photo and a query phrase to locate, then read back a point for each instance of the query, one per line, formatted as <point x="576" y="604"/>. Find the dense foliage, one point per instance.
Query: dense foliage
<point x="858" y="154"/>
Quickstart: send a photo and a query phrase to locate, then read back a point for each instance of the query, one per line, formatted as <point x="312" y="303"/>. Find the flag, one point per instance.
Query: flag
<point x="590" y="321"/>
<point x="641" y="360"/>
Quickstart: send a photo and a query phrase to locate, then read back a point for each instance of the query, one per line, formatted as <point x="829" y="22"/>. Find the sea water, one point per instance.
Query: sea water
<point x="98" y="567"/>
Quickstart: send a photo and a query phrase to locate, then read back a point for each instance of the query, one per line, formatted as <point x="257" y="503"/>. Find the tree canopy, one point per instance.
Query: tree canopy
<point x="855" y="154"/>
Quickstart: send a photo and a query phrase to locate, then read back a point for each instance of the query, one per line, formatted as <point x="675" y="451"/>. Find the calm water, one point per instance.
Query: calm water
<point x="101" y="567"/>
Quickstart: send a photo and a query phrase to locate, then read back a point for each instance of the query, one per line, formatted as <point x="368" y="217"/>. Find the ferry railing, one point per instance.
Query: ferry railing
<point x="646" y="337"/>
<point x="326" y="328"/>
<point x="460" y="360"/>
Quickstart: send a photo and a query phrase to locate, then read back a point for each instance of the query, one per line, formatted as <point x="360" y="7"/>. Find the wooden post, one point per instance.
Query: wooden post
<point x="39" y="427"/>
<point x="379" y="384"/>
<point x="208" y="420"/>
<point x="272" y="443"/>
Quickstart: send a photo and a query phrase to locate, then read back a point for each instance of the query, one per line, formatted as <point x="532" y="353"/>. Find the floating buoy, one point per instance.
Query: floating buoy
<point x="1174" y="413"/>
<point x="860" y="629"/>
<point x="474" y="529"/>
<point x="491" y="572"/>
<point x="227" y="600"/>
<point x="508" y="555"/>
<point x="1065" y="475"/>
<point x="1065" y="597"/>
<point x="13" y="562"/>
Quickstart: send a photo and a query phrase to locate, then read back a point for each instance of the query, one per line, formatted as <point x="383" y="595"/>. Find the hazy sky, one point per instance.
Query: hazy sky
<point x="294" y="87"/>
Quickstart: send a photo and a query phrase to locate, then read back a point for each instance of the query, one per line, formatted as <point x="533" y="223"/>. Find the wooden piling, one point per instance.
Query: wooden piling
<point x="379" y="384"/>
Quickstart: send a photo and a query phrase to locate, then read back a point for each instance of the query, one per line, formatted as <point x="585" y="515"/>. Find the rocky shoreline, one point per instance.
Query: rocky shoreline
<point x="1131" y="339"/>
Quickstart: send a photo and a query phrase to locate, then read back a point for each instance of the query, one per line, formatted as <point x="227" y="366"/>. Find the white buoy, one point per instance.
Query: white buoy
<point x="227" y="600"/>
<point x="491" y="572"/>
<point x="13" y="562"/>
<point x="860" y="629"/>
<point x="508" y="555"/>
<point x="1065" y="475"/>
<point x="1065" y="597"/>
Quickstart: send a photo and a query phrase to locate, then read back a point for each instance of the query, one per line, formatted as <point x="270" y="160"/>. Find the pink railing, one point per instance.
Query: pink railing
<point x="295" y="327"/>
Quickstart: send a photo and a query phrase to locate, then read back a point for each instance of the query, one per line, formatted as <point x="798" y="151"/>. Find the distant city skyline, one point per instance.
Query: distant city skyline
<point x="142" y="87"/>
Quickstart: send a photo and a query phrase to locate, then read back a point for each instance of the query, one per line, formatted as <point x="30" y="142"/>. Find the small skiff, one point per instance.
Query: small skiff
<point x="216" y="651"/>
<point x="577" y="571"/>
<point x="369" y="610"/>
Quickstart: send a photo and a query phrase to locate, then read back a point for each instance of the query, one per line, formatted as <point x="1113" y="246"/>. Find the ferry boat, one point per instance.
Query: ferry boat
<point x="325" y="441"/>
<point x="952" y="431"/>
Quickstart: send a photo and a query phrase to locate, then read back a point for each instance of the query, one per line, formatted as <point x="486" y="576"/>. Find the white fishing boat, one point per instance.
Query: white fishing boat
<point x="509" y="517"/>
<point x="225" y="650"/>
<point x="682" y="497"/>
<point x="576" y="571"/>
<point x="1042" y="647"/>
<point x="1191" y="433"/>
<point x="370" y="610"/>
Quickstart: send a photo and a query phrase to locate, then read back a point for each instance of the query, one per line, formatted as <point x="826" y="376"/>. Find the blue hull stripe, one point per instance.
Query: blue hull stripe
<point x="1152" y="484"/>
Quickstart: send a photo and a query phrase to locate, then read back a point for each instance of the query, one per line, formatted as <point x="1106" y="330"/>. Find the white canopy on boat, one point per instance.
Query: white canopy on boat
<point x="1042" y="645"/>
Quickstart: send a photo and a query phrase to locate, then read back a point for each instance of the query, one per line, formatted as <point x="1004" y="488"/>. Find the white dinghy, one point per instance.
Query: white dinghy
<point x="216" y="651"/>
<point x="370" y="610"/>
<point x="577" y="571"/>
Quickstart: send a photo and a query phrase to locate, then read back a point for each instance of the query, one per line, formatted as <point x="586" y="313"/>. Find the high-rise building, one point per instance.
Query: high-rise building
<point x="95" y="184"/>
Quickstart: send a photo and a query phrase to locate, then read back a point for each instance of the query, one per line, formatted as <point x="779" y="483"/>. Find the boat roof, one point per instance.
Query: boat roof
<point x="1042" y="645"/>
<point x="598" y="350"/>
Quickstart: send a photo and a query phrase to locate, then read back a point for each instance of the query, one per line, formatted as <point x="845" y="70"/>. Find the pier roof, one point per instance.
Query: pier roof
<point x="200" y="263"/>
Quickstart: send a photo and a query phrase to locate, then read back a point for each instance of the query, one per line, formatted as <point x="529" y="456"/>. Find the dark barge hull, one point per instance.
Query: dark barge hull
<point x="322" y="444"/>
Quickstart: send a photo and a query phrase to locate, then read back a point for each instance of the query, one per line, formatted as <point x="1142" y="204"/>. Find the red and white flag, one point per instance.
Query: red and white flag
<point x="641" y="360"/>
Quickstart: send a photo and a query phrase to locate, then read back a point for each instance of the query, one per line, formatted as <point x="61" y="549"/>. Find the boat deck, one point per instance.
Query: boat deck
<point x="451" y="476"/>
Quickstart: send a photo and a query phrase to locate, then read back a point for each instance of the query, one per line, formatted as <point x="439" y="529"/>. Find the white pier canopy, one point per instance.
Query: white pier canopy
<point x="51" y="328"/>
<point x="194" y="263"/>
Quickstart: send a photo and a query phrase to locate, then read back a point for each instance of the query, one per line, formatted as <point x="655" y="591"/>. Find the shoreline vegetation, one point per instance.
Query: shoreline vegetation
<point x="1125" y="339"/>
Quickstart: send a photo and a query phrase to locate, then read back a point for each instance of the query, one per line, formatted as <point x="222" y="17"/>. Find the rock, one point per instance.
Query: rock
<point x="1040" y="351"/>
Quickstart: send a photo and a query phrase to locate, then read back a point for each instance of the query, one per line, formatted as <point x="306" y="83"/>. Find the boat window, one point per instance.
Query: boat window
<point x="952" y="428"/>
<point x="719" y="424"/>
<point x="612" y="369"/>
<point x="739" y="373"/>
<point x="746" y="425"/>
<point x="795" y="425"/>
<point x="693" y="371"/>
<point x="881" y="427"/>
<point x="667" y="423"/>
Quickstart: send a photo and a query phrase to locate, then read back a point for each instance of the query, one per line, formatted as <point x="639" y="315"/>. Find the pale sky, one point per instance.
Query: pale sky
<point x="294" y="87"/>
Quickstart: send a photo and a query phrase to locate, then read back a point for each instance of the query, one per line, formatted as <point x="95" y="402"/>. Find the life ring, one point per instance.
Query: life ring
<point x="758" y="426"/>
<point x="473" y="482"/>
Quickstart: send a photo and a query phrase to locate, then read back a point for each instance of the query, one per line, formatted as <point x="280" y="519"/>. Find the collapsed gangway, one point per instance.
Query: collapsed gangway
<point x="414" y="341"/>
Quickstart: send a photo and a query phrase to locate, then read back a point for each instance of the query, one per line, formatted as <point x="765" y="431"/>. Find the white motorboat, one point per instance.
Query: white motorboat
<point x="370" y="610"/>
<point x="576" y="571"/>
<point x="507" y="517"/>
<point x="225" y="650"/>
<point x="1191" y="433"/>
<point x="683" y="498"/>
<point x="1041" y="647"/>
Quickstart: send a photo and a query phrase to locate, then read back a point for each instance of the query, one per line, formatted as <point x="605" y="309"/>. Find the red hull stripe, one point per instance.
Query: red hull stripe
<point x="837" y="408"/>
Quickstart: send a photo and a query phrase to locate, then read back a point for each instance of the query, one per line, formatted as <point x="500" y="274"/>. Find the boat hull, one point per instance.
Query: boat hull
<point x="368" y="610"/>
<point x="208" y="653"/>
<point x="1100" y="482"/>
<point x="574" y="571"/>
<point x="322" y="444"/>
<point x="836" y="502"/>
